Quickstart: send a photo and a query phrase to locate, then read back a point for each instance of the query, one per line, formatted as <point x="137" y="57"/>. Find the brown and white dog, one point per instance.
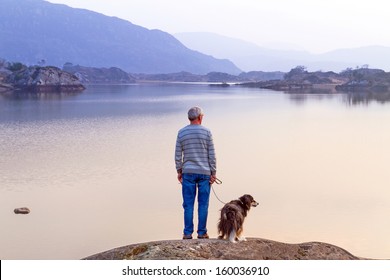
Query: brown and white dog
<point x="232" y="218"/>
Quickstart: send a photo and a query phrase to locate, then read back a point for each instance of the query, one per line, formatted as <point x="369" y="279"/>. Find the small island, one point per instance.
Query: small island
<point x="16" y="77"/>
<point x="350" y="80"/>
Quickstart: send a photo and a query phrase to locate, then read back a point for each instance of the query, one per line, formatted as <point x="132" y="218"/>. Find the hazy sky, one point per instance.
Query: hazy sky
<point x="313" y="25"/>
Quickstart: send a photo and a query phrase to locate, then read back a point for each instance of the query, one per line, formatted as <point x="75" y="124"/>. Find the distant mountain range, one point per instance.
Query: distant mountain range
<point x="38" y="32"/>
<point x="250" y="57"/>
<point x="33" y="31"/>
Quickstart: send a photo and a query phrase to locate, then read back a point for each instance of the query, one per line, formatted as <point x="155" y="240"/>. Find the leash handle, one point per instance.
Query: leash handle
<point x="217" y="181"/>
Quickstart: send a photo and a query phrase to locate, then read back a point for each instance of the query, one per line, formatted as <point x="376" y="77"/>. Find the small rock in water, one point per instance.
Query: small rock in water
<point x="23" y="210"/>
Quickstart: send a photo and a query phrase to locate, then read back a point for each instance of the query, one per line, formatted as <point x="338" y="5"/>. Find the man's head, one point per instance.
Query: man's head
<point x="195" y="114"/>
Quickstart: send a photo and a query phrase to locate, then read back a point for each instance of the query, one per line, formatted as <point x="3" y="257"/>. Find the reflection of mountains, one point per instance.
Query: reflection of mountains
<point x="351" y="99"/>
<point x="301" y="97"/>
<point x="23" y="95"/>
<point x="313" y="89"/>
<point x="358" y="98"/>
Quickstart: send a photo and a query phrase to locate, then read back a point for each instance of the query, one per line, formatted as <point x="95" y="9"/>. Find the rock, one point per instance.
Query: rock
<point x="4" y="73"/>
<point x="44" y="79"/>
<point x="5" y="88"/>
<point x="216" y="249"/>
<point x="22" y="210"/>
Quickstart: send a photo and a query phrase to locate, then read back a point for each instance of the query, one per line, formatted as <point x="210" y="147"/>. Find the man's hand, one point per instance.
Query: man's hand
<point x="212" y="179"/>
<point x="180" y="177"/>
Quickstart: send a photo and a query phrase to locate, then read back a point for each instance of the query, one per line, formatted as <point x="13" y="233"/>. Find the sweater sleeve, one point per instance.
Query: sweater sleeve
<point x="212" y="156"/>
<point x="178" y="155"/>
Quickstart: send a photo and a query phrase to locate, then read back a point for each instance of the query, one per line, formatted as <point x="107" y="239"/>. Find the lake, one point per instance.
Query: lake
<point x="97" y="168"/>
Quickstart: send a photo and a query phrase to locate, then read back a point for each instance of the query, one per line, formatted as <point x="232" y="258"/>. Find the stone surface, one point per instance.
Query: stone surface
<point x="215" y="249"/>
<point x="22" y="210"/>
<point x="4" y="73"/>
<point x="44" y="79"/>
<point x="5" y="88"/>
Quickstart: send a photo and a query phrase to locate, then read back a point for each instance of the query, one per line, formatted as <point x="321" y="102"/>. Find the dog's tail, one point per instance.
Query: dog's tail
<point x="230" y="221"/>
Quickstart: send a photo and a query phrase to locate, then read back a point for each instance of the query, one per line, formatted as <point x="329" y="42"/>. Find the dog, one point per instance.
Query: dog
<point x="232" y="218"/>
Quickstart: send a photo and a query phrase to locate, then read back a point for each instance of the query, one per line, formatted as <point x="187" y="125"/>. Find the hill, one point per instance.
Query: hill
<point x="35" y="30"/>
<point x="215" y="249"/>
<point x="93" y="75"/>
<point x="249" y="56"/>
<point x="372" y="56"/>
<point x="246" y="55"/>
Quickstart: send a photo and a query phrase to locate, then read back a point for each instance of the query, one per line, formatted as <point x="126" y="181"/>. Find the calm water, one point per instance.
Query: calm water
<point x="97" y="169"/>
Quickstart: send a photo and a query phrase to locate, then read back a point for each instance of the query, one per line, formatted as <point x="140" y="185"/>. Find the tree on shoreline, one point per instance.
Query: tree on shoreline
<point x="298" y="70"/>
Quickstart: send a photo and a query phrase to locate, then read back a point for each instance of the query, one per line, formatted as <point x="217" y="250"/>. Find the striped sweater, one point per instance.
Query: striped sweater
<point x="194" y="151"/>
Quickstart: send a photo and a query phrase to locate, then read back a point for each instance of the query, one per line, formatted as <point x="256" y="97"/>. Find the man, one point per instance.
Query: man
<point x="196" y="170"/>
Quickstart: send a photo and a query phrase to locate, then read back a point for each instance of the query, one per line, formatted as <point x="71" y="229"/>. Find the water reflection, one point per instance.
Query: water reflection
<point x="116" y="142"/>
<point x="319" y="89"/>
<point x="351" y="99"/>
<point x="102" y="101"/>
<point x="25" y="95"/>
<point x="365" y="98"/>
<point x="302" y="98"/>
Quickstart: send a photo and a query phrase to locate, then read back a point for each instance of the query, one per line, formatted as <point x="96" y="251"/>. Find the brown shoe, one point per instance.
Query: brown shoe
<point x="203" y="236"/>
<point x="187" y="236"/>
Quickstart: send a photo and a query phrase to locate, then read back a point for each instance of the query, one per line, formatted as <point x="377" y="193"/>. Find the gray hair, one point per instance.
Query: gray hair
<point x="194" y="113"/>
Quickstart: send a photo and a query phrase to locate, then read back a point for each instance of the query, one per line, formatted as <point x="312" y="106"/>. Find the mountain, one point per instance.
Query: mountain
<point x="373" y="56"/>
<point x="246" y="55"/>
<point x="54" y="34"/>
<point x="249" y="56"/>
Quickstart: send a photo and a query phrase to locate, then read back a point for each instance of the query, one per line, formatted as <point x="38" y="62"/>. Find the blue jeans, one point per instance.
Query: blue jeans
<point x="192" y="182"/>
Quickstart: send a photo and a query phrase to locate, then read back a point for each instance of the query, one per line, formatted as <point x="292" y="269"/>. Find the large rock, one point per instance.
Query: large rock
<point x="44" y="79"/>
<point x="4" y="87"/>
<point x="215" y="249"/>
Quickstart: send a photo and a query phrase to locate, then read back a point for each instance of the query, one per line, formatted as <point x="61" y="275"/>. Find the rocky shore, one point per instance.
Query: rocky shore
<point x="44" y="79"/>
<point x="215" y="249"/>
<point x="348" y="81"/>
<point x="16" y="77"/>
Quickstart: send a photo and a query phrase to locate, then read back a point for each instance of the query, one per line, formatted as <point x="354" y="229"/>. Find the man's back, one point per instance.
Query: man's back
<point x="195" y="151"/>
<point x="196" y="170"/>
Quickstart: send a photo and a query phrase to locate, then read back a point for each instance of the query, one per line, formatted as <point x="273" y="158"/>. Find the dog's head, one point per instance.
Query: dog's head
<point x="248" y="201"/>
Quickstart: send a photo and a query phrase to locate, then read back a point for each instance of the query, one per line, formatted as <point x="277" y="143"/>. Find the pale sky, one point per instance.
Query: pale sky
<point x="313" y="25"/>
